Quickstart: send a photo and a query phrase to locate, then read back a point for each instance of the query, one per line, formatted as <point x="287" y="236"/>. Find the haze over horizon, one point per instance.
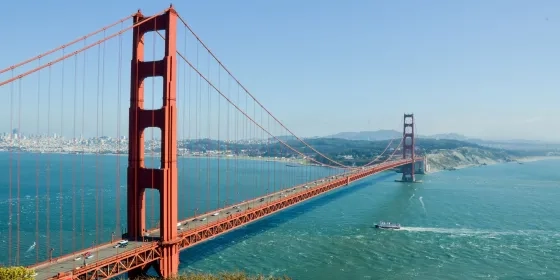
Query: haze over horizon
<point x="483" y="69"/>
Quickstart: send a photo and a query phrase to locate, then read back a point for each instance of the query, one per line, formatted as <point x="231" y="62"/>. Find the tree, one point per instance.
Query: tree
<point x="16" y="272"/>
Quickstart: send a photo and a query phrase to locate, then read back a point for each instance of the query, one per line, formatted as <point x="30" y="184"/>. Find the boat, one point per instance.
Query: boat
<point x="387" y="225"/>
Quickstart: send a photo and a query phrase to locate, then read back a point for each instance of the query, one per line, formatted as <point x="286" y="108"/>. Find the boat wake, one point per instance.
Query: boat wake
<point x="472" y="232"/>
<point x="30" y="248"/>
<point x="423" y="207"/>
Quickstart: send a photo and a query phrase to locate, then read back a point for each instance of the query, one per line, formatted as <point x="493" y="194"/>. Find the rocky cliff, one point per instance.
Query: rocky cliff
<point x="465" y="157"/>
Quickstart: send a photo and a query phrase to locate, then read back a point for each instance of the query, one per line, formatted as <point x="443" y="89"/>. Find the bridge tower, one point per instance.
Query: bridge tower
<point x="139" y="177"/>
<point x="408" y="148"/>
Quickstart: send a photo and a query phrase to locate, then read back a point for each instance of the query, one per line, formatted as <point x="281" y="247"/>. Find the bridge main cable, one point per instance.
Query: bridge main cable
<point x="270" y="114"/>
<point x="340" y="165"/>
<point x="248" y="117"/>
<point x="253" y="97"/>
<point x="260" y="126"/>
<point x="61" y="47"/>
<point x="75" y="52"/>
<point x="380" y="155"/>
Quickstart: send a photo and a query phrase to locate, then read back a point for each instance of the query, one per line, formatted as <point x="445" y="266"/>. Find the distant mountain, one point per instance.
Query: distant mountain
<point x="516" y="144"/>
<point x="283" y="138"/>
<point x="384" y="134"/>
<point x="449" y="136"/>
<point x="377" y="135"/>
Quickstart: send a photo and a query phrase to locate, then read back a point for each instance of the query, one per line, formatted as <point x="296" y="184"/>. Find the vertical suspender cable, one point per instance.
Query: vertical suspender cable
<point x="12" y="136"/>
<point x="219" y="156"/>
<point x="247" y="136"/>
<point x="37" y="137"/>
<point x="237" y="151"/>
<point x="184" y="134"/>
<point x="227" y="148"/>
<point x="118" y="180"/>
<point x="18" y="176"/>
<point x="102" y="170"/>
<point x="97" y="150"/>
<point x="254" y="137"/>
<point x="198" y="128"/>
<point x="208" y="96"/>
<point x="47" y="185"/>
<point x="275" y="163"/>
<point x="60" y="202"/>
<point x="269" y="157"/>
<point x="74" y="142"/>
<point x="82" y="183"/>
<point x="263" y="161"/>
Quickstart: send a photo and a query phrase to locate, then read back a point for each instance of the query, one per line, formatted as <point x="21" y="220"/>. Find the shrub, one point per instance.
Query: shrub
<point x="16" y="272"/>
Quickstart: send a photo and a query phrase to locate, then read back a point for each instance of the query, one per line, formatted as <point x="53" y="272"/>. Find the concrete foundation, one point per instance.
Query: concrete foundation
<point x="420" y="167"/>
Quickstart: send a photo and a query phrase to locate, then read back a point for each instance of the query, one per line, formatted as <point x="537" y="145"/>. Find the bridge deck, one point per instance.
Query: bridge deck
<point x="105" y="252"/>
<point x="67" y="262"/>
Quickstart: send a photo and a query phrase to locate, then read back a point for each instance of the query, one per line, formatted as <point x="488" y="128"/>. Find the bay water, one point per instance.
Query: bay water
<point x="492" y="222"/>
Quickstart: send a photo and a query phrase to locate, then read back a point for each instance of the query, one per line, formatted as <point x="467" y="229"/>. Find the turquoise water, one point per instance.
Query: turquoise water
<point x="491" y="222"/>
<point x="60" y="195"/>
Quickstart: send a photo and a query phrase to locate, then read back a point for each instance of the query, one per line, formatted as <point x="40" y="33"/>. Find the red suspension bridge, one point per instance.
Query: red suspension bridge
<point x="205" y="158"/>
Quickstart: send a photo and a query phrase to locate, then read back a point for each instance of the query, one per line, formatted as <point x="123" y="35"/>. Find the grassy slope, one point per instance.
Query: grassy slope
<point x="361" y="151"/>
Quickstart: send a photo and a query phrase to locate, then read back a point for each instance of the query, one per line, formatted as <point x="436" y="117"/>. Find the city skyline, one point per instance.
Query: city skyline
<point x="148" y="137"/>
<point x="457" y="67"/>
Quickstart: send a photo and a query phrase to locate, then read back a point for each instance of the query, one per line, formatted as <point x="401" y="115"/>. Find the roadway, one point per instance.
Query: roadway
<point x="68" y="263"/>
<point x="205" y="219"/>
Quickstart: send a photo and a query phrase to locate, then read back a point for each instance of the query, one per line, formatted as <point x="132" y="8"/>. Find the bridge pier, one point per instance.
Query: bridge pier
<point x="168" y="266"/>
<point x="163" y="179"/>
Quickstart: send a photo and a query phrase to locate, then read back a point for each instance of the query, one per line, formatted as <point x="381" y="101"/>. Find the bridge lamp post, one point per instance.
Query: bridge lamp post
<point x="50" y="254"/>
<point x="93" y="247"/>
<point x="97" y="252"/>
<point x="112" y="236"/>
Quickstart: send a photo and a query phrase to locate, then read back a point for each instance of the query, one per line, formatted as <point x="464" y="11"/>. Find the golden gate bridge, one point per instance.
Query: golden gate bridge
<point x="170" y="205"/>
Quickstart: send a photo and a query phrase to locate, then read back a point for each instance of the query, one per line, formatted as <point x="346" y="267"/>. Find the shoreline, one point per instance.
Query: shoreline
<point x="537" y="158"/>
<point x="516" y="160"/>
<point x="299" y="162"/>
<point x="432" y="159"/>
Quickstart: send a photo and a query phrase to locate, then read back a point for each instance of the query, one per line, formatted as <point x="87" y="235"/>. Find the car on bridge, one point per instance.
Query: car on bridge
<point x="121" y="244"/>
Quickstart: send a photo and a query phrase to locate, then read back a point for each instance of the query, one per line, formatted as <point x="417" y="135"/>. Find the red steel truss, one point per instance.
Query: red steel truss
<point x="139" y="258"/>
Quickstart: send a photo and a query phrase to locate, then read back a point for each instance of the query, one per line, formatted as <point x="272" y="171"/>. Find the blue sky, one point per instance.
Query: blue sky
<point x="481" y="68"/>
